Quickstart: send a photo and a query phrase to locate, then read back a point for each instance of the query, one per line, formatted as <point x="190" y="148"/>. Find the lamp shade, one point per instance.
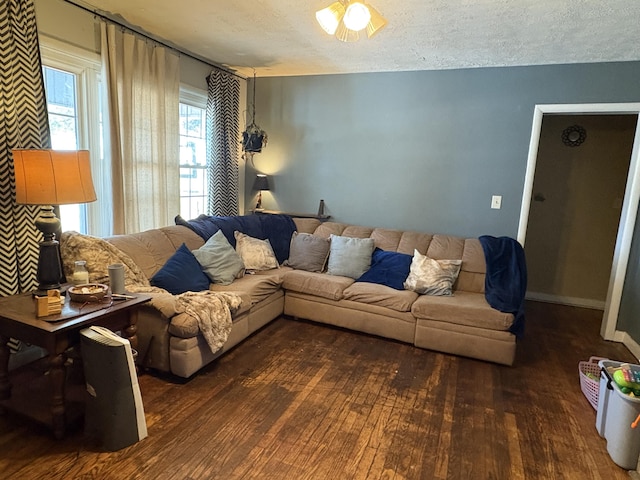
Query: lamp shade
<point x="376" y="23"/>
<point x="345" y="34"/>
<point x="357" y="16"/>
<point x="53" y="177"/>
<point x="330" y="17"/>
<point x="261" y="183"/>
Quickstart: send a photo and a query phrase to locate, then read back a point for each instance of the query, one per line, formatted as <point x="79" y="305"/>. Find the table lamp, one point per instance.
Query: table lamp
<point x="47" y="178"/>
<point x="261" y="183"/>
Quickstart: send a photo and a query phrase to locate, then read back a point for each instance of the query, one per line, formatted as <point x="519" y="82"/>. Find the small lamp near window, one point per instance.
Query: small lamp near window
<point x="261" y="183"/>
<point x="47" y="178"/>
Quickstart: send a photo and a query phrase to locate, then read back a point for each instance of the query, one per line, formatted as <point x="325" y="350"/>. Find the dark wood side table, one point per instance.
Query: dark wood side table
<point x="56" y="333"/>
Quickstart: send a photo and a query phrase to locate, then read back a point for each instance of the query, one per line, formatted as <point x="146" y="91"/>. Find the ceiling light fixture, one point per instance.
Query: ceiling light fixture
<point x="346" y="18"/>
<point x="357" y="16"/>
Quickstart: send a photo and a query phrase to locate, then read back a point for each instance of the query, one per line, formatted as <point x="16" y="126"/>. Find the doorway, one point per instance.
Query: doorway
<point x="628" y="208"/>
<point x="579" y="183"/>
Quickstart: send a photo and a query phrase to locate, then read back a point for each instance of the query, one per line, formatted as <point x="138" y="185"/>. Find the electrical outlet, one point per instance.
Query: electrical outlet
<point x="496" y="202"/>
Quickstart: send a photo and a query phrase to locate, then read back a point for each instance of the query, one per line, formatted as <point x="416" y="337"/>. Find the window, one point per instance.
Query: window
<point x="60" y="87"/>
<point x="71" y="78"/>
<point x="61" y="104"/>
<point x="194" y="181"/>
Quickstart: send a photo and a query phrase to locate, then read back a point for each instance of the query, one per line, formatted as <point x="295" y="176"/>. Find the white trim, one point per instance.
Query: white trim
<point x="629" y="206"/>
<point x="562" y="300"/>
<point x="531" y="170"/>
<point x="86" y="66"/>
<point x="572" y="301"/>
<point x="630" y="343"/>
<point x="193" y="96"/>
<point x="71" y="55"/>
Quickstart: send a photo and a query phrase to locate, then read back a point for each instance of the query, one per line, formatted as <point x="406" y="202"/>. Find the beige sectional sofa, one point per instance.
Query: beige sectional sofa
<point x="462" y="324"/>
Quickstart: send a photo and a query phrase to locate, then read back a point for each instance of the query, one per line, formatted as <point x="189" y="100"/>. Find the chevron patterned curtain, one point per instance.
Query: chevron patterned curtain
<point x="223" y="136"/>
<point x="24" y="124"/>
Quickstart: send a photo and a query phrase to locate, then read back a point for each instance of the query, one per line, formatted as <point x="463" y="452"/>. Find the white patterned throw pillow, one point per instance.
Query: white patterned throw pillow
<point x="430" y="276"/>
<point x="256" y="254"/>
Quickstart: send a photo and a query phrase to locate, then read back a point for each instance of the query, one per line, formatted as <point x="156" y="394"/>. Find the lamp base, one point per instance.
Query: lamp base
<point x="49" y="268"/>
<point x="49" y="265"/>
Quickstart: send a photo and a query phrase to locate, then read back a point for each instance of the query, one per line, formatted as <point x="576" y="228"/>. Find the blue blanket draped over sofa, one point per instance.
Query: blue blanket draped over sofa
<point x="278" y="229"/>
<point x="506" y="278"/>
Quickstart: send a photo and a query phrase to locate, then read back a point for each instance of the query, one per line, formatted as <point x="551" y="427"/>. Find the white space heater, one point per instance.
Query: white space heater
<point x="114" y="412"/>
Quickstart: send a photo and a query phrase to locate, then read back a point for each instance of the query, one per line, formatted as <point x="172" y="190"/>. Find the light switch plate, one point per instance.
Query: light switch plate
<point x="496" y="202"/>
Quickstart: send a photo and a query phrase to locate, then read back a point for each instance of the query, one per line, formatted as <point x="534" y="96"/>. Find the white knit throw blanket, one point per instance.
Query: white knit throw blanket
<point x="212" y="310"/>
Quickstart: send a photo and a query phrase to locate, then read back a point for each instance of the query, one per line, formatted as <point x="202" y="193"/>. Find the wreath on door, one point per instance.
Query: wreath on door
<point x="574" y="136"/>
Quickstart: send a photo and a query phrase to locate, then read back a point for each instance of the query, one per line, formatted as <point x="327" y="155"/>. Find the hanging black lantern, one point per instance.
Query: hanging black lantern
<point x="254" y="139"/>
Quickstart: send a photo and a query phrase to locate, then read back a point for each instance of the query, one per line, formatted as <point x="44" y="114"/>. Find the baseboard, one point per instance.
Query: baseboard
<point x="628" y="342"/>
<point x="571" y="301"/>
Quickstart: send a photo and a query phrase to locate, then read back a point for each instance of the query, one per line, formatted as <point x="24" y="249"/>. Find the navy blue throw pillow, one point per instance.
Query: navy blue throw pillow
<point x="388" y="268"/>
<point x="181" y="273"/>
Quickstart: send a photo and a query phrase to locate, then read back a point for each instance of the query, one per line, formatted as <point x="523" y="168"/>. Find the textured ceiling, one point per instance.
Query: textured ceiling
<point x="282" y="37"/>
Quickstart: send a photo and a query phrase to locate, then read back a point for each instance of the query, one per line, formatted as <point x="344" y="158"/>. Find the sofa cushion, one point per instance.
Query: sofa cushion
<point x="411" y="241"/>
<point x="306" y="225"/>
<point x="184" y="325"/>
<point x="98" y="253"/>
<point x="220" y="262"/>
<point x="375" y="294"/>
<point x="181" y="273"/>
<point x="388" y="268"/>
<point x="256" y="286"/>
<point x="387" y="239"/>
<point x="319" y="284"/>
<point x="326" y="229"/>
<point x="256" y="254"/>
<point x="151" y="249"/>
<point x="445" y="246"/>
<point x="349" y="257"/>
<point x="432" y="277"/>
<point x="308" y="252"/>
<point x="463" y="308"/>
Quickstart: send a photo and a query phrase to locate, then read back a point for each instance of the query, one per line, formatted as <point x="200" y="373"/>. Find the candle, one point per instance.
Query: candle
<point x="80" y="273"/>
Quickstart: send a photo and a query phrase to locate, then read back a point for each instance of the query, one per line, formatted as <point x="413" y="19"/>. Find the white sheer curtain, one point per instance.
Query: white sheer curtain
<point x="143" y="84"/>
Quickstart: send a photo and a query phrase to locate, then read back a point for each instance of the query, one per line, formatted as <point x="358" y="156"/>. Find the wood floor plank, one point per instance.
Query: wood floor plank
<point x="308" y="401"/>
<point x="514" y="466"/>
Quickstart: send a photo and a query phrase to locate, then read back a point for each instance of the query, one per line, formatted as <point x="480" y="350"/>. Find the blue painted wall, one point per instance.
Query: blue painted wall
<point x="416" y="150"/>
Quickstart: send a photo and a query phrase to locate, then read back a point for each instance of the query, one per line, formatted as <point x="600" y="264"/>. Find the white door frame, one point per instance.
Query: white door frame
<point x="629" y="205"/>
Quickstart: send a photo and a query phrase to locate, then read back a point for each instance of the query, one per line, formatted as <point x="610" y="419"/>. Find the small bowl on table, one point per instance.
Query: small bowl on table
<point x="88" y="292"/>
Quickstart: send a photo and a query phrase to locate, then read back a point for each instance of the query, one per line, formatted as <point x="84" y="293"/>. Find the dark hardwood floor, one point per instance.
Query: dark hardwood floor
<point x="300" y="400"/>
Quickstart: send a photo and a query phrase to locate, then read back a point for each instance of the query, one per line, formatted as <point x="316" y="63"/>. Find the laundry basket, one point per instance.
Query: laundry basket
<point x="590" y="386"/>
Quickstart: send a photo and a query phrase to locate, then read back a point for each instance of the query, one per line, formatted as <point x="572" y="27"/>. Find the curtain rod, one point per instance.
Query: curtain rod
<point x="111" y="18"/>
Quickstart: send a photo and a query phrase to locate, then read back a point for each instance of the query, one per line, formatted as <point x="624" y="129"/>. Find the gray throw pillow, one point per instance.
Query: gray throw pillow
<point x="430" y="276"/>
<point x="308" y="252"/>
<point x="219" y="260"/>
<point x="350" y="257"/>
